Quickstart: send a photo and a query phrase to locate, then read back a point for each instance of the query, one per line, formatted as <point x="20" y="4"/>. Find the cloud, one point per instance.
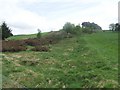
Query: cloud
<point x="18" y="18"/>
<point x="26" y="16"/>
<point x="119" y="12"/>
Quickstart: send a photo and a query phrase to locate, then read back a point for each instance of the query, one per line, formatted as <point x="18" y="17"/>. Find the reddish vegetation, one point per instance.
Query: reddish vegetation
<point x="13" y="46"/>
<point x="20" y="45"/>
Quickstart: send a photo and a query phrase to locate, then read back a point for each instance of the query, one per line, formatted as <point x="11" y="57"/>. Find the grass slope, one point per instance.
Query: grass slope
<point x="19" y="37"/>
<point x="87" y="61"/>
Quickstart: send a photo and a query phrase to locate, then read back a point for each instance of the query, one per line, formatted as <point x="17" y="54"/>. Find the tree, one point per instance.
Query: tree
<point x="39" y="33"/>
<point x="92" y="26"/>
<point x="5" y="31"/>
<point x="77" y="29"/>
<point x="68" y="27"/>
<point x="88" y="27"/>
<point x="112" y="26"/>
<point x="117" y="27"/>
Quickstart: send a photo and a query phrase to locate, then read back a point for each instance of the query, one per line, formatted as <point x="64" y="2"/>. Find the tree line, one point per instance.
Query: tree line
<point x="86" y="27"/>
<point x="114" y="27"/>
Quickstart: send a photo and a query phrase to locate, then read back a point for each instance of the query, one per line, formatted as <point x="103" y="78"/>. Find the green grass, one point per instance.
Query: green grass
<point x="0" y="72"/>
<point x="19" y="37"/>
<point x="87" y="61"/>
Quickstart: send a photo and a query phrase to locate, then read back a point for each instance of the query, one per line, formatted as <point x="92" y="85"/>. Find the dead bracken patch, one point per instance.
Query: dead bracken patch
<point x="13" y="46"/>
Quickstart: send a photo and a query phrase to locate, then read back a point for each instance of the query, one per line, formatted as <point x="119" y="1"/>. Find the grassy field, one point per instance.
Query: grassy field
<point x="86" y="61"/>
<point x="19" y="37"/>
<point x="0" y="72"/>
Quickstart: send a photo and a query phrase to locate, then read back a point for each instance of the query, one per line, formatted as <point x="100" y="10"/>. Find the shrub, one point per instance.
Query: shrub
<point x="39" y="42"/>
<point x="20" y="45"/>
<point x="39" y="34"/>
<point x="87" y="30"/>
<point x="14" y="49"/>
<point x="68" y="27"/>
<point x="12" y="46"/>
<point x="32" y="42"/>
<point x="58" y="35"/>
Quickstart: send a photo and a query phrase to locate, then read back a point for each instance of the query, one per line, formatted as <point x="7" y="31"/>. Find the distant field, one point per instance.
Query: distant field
<point x="86" y="61"/>
<point x="19" y="37"/>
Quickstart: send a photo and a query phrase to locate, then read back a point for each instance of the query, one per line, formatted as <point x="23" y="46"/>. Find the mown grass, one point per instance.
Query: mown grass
<point x="87" y="61"/>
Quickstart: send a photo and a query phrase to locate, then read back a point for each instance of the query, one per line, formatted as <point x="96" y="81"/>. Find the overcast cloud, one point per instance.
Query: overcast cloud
<point x="26" y="16"/>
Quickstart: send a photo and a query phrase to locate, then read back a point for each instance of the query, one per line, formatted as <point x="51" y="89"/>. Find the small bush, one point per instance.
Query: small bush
<point x="39" y="33"/>
<point x="68" y="27"/>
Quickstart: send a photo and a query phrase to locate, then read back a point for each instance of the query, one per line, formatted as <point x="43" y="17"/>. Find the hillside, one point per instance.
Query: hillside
<point x="19" y="37"/>
<point x="84" y="61"/>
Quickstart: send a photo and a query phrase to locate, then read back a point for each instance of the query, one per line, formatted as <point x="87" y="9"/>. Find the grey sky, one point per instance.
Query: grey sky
<point x="26" y="16"/>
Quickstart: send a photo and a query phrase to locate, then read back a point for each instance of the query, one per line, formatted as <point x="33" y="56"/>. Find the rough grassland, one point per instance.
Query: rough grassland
<point x="87" y="61"/>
